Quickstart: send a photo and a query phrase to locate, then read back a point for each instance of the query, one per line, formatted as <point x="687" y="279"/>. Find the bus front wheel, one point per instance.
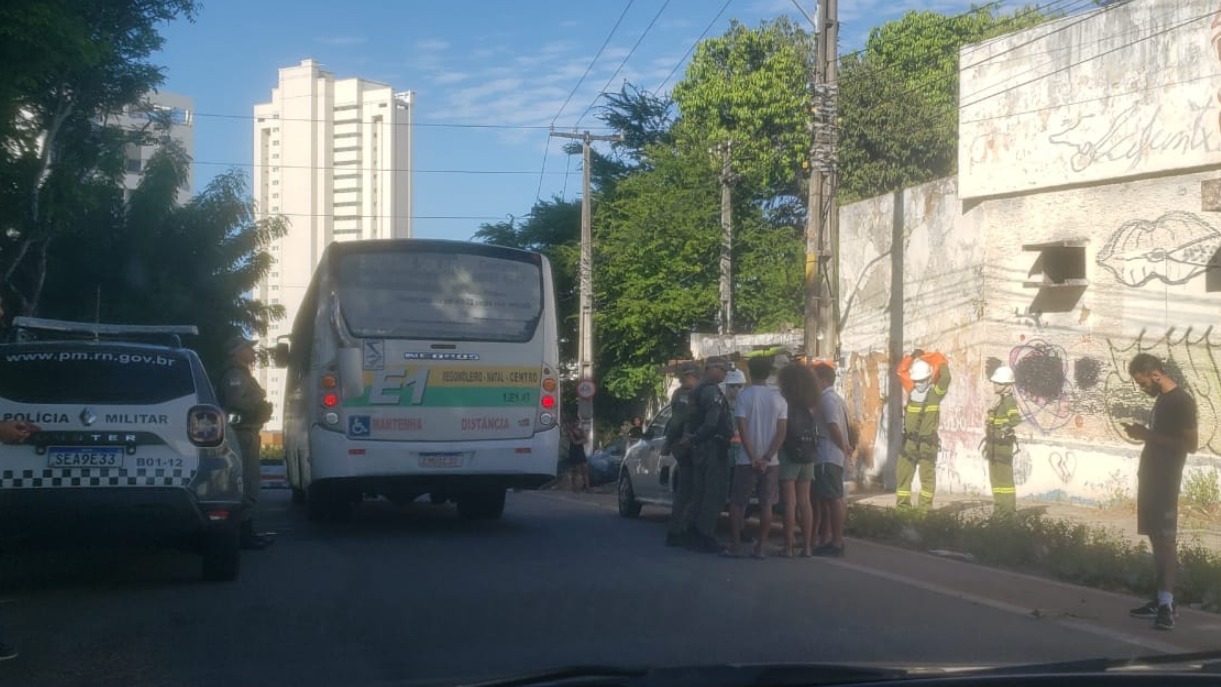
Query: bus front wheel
<point x="483" y="505"/>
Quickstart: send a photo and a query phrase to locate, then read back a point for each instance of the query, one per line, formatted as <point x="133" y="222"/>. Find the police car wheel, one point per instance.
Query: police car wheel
<point x="221" y="553"/>
<point x="629" y="507"/>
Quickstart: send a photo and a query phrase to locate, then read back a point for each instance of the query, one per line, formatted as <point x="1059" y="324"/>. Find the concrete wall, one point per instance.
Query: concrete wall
<point x="1114" y="93"/>
<point x="967" y="294"/>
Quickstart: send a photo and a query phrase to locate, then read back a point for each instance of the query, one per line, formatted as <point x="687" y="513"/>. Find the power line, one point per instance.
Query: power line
<point x="547" y="147"/>
<point x="1074" y="46"/>
<point x="1085" y="16"/>
<point x="923" y="89"/>
<point x="1009" y="21"/>
<point x="690" y="50"/>
<point x="332" y="215"/>
<point x="626" y="57"/>
<point x="1107" y="96"/>
<point x="594" y="61"/>
<point x="1087" y="59"/>
<point x="363" y="122"/>
<point x="357" y="168"/>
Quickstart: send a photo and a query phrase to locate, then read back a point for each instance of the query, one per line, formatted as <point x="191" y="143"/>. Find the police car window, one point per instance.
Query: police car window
<point x="102" y="375"/>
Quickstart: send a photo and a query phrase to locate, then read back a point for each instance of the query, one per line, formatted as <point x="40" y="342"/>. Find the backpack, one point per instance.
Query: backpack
<point x="801" y="438"/>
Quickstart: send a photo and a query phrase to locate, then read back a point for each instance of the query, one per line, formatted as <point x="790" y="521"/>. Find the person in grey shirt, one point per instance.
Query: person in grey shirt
<point x="832" y="453"/>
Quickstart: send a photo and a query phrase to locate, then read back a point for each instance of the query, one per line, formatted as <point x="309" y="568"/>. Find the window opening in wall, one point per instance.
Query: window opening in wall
<point x="1212" y="277"/>
<point x="1060" y="264"/>
<point x="1058" y="273"/>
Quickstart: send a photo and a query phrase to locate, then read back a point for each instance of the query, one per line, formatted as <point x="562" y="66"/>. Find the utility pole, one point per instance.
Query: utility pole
<point x="585" y="349"/>
<point x="725" y="315"/>
<point x="822" y="241"/>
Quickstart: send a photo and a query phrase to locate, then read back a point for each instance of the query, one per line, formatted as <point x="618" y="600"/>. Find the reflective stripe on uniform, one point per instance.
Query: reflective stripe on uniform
<point x="1004" y="490"/>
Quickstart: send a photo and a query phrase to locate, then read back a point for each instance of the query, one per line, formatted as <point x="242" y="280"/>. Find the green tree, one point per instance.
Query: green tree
<point x="69" y="66"/>
<point x="898" y="99"/>
<point x="657" y="248"/>
<point x="751" y="86"/>
<point x="152" y="261"/>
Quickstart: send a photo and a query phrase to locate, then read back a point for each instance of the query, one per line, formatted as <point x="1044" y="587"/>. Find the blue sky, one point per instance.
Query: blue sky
<point x="504" y="62"/>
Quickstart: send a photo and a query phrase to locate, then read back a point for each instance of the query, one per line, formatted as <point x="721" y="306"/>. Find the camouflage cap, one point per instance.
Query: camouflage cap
<point x="718" y="361"/>
<point x="687" y="369"/>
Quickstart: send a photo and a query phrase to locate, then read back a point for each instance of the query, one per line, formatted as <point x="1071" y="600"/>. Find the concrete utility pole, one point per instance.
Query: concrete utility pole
<point x="585" y="354"/>
<point x="822" y="241"/>
<point x="725" y="315"/>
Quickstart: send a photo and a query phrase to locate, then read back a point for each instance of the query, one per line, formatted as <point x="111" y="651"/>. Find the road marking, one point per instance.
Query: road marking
<point x="1075" y="624"/>
<point x="1067" y="622"/>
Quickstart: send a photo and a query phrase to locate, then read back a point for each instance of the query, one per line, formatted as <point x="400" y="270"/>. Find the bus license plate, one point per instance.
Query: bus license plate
<point x="440" y="460"/>
<point x="85" y="457"/>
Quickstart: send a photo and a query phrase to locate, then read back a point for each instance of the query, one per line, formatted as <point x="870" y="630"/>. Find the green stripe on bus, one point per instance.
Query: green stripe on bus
<point x="455" y="397"/>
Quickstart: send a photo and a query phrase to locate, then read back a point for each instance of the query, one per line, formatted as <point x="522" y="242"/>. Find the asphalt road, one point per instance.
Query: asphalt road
<point x="417" y="593"/>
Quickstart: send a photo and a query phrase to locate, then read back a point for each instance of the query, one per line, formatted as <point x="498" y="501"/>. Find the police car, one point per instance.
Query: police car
<point x="128" y="442"/>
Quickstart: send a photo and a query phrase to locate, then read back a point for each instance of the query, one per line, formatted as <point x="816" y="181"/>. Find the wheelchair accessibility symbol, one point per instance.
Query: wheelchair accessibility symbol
<point x="358" y="425"/>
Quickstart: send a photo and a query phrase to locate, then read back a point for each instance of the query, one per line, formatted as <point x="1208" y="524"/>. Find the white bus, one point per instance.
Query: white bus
<point x="422" y="367"/>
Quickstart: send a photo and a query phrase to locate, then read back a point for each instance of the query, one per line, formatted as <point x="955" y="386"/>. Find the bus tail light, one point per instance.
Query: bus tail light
<point x="329" y="395"/>
<point x="548" y="400"/>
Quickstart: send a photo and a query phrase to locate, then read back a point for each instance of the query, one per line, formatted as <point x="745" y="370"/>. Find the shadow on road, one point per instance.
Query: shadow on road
<point x="380" y="518"/>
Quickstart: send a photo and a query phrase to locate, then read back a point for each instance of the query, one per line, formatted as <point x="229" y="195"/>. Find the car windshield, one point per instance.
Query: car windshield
<point x="632" y="334"/>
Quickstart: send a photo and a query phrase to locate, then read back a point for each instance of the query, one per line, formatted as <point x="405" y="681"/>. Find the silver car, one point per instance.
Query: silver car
<point x="648" y="475"/>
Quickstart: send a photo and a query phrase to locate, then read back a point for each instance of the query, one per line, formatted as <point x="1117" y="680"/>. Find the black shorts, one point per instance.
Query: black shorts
<point x="828" y="481"/>
<point x="576" y="455"/>
<point x="1157" y="504"/>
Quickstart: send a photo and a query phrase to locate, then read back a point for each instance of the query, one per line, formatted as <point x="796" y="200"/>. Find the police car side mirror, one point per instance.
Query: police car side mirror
<point x="279" y="354"/>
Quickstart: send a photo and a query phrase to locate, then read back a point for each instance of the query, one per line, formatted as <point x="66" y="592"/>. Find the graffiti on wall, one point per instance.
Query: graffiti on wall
<point x="863" y="396"/>
<point x="1174" y="249"/>
<point x="1052" y="393"/>
<point x="1191" y="360"/>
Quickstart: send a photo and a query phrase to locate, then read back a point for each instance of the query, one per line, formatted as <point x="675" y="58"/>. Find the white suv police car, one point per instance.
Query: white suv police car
<point x="131" y="443"/>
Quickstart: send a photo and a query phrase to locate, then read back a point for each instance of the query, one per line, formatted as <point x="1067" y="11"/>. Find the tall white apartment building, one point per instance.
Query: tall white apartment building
<point x="333" y="156"/>
<point x="177" y="112"/>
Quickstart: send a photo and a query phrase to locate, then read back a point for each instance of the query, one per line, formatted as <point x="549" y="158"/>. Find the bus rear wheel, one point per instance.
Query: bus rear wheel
<point x="482" y="505"/>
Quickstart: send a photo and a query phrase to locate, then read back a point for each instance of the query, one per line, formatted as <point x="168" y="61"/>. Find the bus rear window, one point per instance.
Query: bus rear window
<point x="436" y="295"/>
<point x="99" y="375"/>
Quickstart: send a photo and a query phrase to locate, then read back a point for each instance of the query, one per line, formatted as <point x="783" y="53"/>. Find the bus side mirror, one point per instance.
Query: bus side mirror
<point x="279" y="354"/>
<point x="351" y="372"/>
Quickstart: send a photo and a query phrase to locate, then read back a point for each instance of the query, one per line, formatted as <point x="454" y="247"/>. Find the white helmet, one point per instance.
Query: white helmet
<point x="921" y="371"/>
<point x="1003" y="375"/>
<point x="735" y="376"/>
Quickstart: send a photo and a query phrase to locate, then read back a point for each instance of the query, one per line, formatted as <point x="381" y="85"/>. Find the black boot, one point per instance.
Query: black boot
<point x="252" y="541"/>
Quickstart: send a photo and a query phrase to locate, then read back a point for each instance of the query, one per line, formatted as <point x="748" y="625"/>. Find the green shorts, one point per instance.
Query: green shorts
<point x="828" y="481"/>
<point x="798" y="472"/>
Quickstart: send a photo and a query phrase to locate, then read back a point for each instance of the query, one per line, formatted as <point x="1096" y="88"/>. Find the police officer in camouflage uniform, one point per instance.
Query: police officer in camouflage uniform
<point x="709" y="429"/>
<point x="679" y="533"/>
<point x="1000" y="443"/>
<point x="241" y="394"/>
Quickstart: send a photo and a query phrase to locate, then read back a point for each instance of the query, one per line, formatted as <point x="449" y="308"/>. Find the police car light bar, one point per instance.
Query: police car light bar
<point x="26" y="328"/>
<point x="98" y="328"/>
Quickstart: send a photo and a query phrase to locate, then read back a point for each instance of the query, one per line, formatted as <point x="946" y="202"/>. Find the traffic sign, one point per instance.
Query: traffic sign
<point x="586" y="388"/>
